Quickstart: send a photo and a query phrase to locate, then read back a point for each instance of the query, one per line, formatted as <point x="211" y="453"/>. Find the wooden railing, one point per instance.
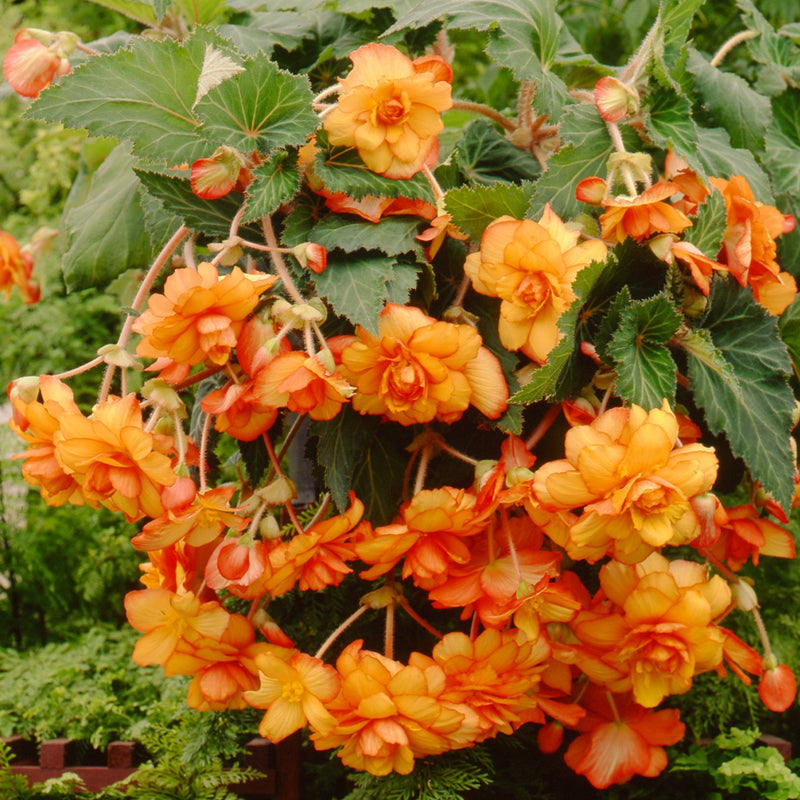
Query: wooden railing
<point x="280" y="765"/>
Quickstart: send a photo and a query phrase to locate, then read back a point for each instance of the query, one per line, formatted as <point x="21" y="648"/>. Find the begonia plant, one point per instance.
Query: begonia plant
<point x="518" y="367"/>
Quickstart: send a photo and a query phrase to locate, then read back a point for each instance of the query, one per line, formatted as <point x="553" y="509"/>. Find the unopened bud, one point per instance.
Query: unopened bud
<point x="277" y="493"/>
<point x="118" y="356"/>
<point x="161" y="393"/>
<point x="744" y="595"/>
<point x="268" y="529"/>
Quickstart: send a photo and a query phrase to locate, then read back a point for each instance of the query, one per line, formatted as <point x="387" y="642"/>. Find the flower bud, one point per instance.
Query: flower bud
<point x="615" y="99"/>
<point x="280" y="491"/>
<point x="744" y="595"/>
<point x="214" y="177"/>
<point x="311" y="256"/>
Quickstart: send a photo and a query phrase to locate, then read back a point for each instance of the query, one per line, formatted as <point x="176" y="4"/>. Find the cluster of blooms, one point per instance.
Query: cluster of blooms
<point x="540" y="648"/>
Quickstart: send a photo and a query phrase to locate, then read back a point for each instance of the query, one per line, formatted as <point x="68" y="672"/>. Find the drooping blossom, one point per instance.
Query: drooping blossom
<point x="219" y="174"/>
<point x="498" y="676"/>
<point x="614" y="99"/>
<point x="661" y="630"/>
<point x="531" y="266"/>
<point x="506" y="566"/>
<point x="165" y="617"/>
<point x="777" y="688"/>
<point x="36" y="58"/>
<point x="238" y="408"/>
<point x="241" y="566"/>
<point x="199" y="315"/>
<point x="16" y="268"/>
<point x="633" y="480"/>
<point x="302" y="384"/>
<point x="643" y="216"/>
<point x="295" y="692"/>
<point x="742" y="535"/>
<point x="197" y="517"/>
<point x="115" y="460"/>
<point x="429" y="534"/>
<point x="390" y="109"/>
<point x="388" y="714"/>
<point x="418" y="369"/>
<point x="748" y="247"/>
<point x="318" y="556"/>
<point x="619" y="739"/>
<point x="37" y="422"/>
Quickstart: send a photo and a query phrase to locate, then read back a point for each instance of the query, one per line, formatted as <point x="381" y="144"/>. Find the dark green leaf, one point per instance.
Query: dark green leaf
<point x="670" y="35"/>
<point x="646" y="372"/>
<point x="143" y="94"/>
<point x="754" y="409"/>
<point x="789" y="326"/>
<point x="341" y="443"/>
<point x="669" y="122"/>
<point x="378" y="478"/>
<point x="722" y="161"/>
<point x="743" y="112"/>
<point x="473" y="208"/>
<point x="213" y="217"/>
<point x="485" y="156"/>
<point x="105" y="231"/>
<point x="775" y="48"/>
<point x="274" y="182"/>
<point x="782" y="156"/>
<point x="392" y="235"/>
<point x="261" y="109"/>
<point x="585" y="153"/>
<point x="358" y="288"/>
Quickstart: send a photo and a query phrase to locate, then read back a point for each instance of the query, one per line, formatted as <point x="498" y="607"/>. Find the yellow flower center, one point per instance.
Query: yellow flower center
<point x="293" y="691"/>
<point x="534" y="290"/>
<point x="392" y="107"/>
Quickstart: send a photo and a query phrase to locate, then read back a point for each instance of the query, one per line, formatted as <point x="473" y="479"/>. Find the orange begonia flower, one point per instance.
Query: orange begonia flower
<point x="200" y="520"/>
<point x="165" y="617"/>
<point x="199" y="315"/>
<point x="387" y="714"/>
<point x="643" y="216"/>
<point x="30" y="65"/>
<point x="417" y="369"/>
<point x="497" y="675"/>
<point x="116" y="461"/>
<point x="777" y="688"/>
<point x="748" y="246"/>
<point x="295" y="693"/>
<point x="664" y="633"/>
<point x="634" y="480"/>
<point x="218" y="175"/>
<point x="742" y="534"/>
<point x="241" y="566"/>
<point x="16" y="267"/>
<point x="317" y="557"/>
<point x="390" y="110"/>
<point x="302" y="384"/>
<point x="38" y="422"/>
<point x="531" y="266"/>
<point x="620" y="739"/>
<point x="223" y="666"/>
<point x="429" y="533"/>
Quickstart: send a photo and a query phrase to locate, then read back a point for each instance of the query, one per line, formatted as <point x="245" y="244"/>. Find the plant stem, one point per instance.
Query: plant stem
<point x="734" y="41"/>
<point x="340" y="630"/>
<point x="487" y="111"/>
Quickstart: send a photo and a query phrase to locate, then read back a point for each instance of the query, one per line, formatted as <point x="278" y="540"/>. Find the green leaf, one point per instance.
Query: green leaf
<point x="669" y="36"/>
<point x="473" y="208"/>
<point x="378" y="478"/>
<point x="722" y="161"/>
<point x="708" y="226"/>
<point x="485" y="156"/>
<point x="341" y="170"/>
<point x="775" y="48"/>
<point x="341" y="443"/>
<point x="782" y="156"/>
<point x="585" y="153"/>
<point x="754" y="410"/>
<point x="105" y="231"/>
<point x="212" y="217"/>
<point x="133" y="9"/>
<point x="646" y="372"/>
<point x="274" y="182"/>
<point x="668" y="120"/>
<point x="789" y="327"/>
<point x="262" y="108"/>
<point x="358" y="288"/>
<point x="143" y="94"/>
<point x="392" y="235"/>
<point x="744" y="113"/>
